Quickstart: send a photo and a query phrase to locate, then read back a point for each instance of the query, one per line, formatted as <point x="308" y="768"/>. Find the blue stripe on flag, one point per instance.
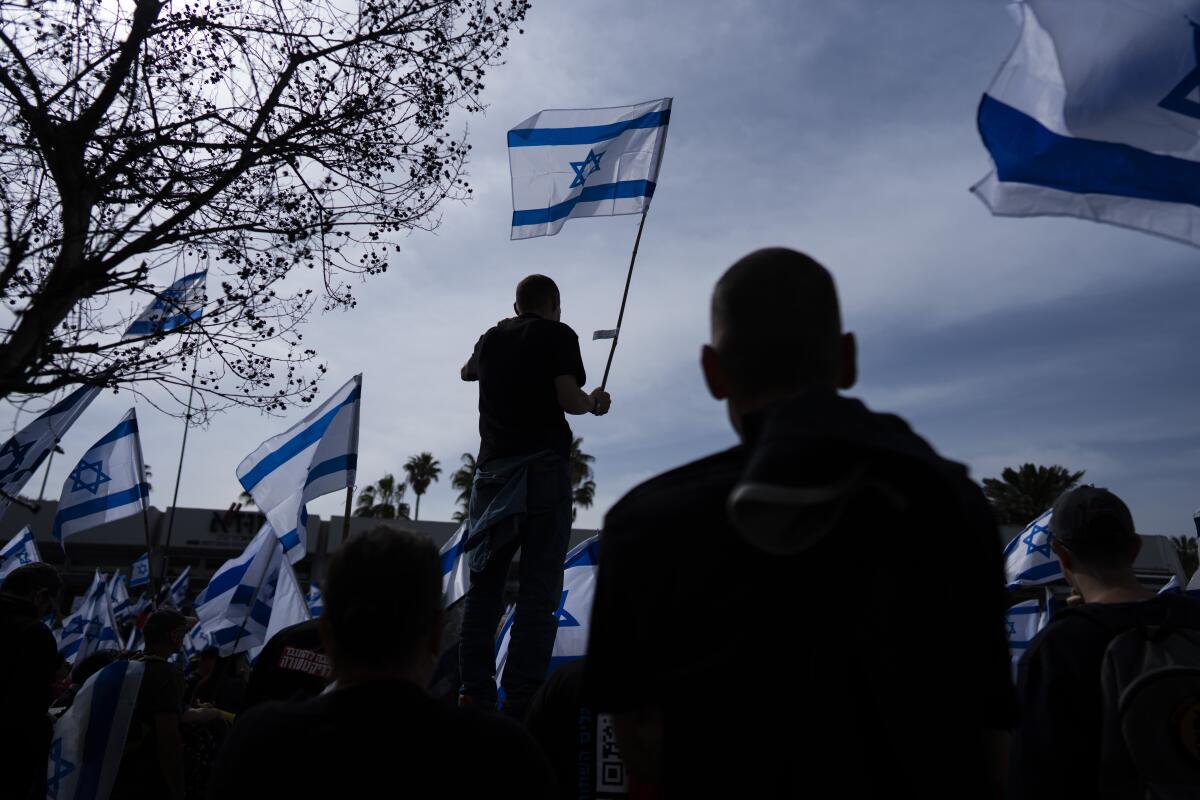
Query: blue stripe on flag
<point x="223" y="582"/>
<point x="289" y="540"/>
<point x="126" y="428"/>
<point x="339" y="464"/>
<point x="451" y="556"/>
<point x="589" y="134"/>
<point x="296" y="444"/>
<point x="1025" y="151"/>
<point x="590" y="194"/>
<point x="106" y="694"/>
<point x="1047" y="570"/>
<point x="130" y="495"/>
<point x="1024" y="610"/>
<point x="145" y="327"/>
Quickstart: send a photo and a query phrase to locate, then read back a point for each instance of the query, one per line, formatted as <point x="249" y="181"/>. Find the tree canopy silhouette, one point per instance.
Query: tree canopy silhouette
<point x="1020" y="495"/>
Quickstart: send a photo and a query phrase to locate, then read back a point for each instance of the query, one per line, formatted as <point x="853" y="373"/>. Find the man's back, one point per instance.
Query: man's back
<point x="385" y="735"/>
<point x="776" y="674"/>
<point x="28" y="660"/>
<point x="516" y="363"/>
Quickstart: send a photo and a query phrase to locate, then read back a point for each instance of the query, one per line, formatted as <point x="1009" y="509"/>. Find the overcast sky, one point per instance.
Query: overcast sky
<point x="842" y="128"/>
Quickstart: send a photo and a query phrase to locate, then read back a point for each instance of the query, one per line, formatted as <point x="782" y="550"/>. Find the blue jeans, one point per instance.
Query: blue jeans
<point x="541" y="533"/>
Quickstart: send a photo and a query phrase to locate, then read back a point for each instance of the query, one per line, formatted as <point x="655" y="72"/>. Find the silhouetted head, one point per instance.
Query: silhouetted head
<point x="164" y="631"/>
<point x="537" y="294"/>
<point x="1093" y="533"/>
<point x="383" y="606"/>
<point x="776" y="330"/>
<point x="38" y="583"/>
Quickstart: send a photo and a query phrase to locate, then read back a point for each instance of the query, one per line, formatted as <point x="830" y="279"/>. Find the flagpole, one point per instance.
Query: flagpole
<point x="149" y="556"/>
<point x="624" y="297"/>
<point x="187" y="421"/>
<point x="346" y="516"/>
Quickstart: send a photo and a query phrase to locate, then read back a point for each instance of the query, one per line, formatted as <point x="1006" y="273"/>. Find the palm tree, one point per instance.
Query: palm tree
<point x="583" y="488"/>
<point x="246" y="499"/>
<point x="382" y="499"/>
<point x="1186" y="546"/>
<point x="1022" y="494"/>
<point x="422" y="469"/>
<point x="463" y="479"/>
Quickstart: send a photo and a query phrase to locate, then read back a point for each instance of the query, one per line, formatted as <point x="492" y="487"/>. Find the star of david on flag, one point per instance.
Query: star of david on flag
<point x="107" y="484"/>
<point x="573" y="613"/>
<point x="176" y="306"/>
<point x="21" y="455"/>
<point x="20" y="550"/>
<point x="1095" y="114"/>
<point x="92" y="627"/>
<point x="140" y="573"/>
<point x="586" y="162"/>
<point x="1028" y="559"/>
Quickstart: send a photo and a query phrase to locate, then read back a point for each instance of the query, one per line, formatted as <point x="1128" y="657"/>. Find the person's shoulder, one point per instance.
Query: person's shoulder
<point x="679" y="489"/>
<point x="553" y="328"/>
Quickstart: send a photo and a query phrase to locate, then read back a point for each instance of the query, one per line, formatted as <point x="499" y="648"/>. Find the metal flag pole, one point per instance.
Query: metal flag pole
<point x="346" y="517"/>
<point x="187" y="421"/>
<point x="624" y="297"/>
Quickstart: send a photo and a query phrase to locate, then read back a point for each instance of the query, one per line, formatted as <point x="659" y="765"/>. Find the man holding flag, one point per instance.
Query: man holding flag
<point x="530" y="372"/>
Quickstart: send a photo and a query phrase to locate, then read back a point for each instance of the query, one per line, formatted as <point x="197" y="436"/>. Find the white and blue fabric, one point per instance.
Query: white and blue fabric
<point x="1028" y="558"/>
<point x="118" y="598"/>
<point x="178" y="305"/>
<point x="107" y="484"/>
<point x="316" y="601"/>
<point x="21" y="455"/>
<point x="313" y="458"/>
<point x="140" y="574"/>
<point x="89" y="739"/>
<point x="91" y="628"/>
<point x="584" y="162"/>
<point x="1095" y="114"/>
<point x="20" y="550"/>
<point x="456" y="573"/>
<point x="1171" y="586"/>
<point x="234" y="610"/>
<point x="195" y="641"/>
<point x="574" y="611"/>
<point x="1023" y="621"/>
<point x="135" y="640"/>
<point x="177" y="593"/>
<point x="288" y="605"/>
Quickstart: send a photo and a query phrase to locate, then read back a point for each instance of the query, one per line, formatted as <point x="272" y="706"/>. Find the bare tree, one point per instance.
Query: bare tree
<point x="256" y="139"/>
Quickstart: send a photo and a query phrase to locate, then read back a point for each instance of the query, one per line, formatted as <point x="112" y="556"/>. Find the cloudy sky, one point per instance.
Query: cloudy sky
<point x="844" y="128"/>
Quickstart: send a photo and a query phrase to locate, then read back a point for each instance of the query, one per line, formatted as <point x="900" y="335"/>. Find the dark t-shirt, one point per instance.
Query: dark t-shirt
<point x="516" y="363"/>
<point x="28" y="662"/>
<point x="581" y="744"/>
<point x="778" y="675"/>
<point x="292" y="666"/>
<point x="1056" y="751"/>
<point x="385" y="738"/>
<point x="161" y="692"/>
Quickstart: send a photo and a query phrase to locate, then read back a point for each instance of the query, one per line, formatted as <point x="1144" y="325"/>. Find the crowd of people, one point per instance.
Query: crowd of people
<point x="817" y="610"/>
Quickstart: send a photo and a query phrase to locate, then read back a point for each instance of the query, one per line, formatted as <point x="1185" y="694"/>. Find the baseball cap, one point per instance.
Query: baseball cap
<point x="1092" y="518"/>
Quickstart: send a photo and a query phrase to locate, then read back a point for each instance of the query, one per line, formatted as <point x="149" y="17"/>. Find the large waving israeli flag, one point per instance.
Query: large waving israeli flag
<point x="234" y="610"/>
<point x="140" y="574"/>
<point x="21" y="455"/>
<point x="20" y="550"/>
<point x="574" y="609"/>
<point x="89" y="739"/>
<point x="92" y="627"/>
<point x="313" y="458"/>
<point x="584" y="162"/>
<point x="1028" y="558"/>
<point x="107" y="484"/>
<point x="174" y="307"/>
<point x="288" y="605"/>
<point x="1096" y="114"/>
<point x="456" y="574"/>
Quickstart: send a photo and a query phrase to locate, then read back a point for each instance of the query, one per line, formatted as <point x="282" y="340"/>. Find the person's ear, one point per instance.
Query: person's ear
<point x="848" y="362"/>
<point x="714" y="375"/>
<point x="1060" y="550"/>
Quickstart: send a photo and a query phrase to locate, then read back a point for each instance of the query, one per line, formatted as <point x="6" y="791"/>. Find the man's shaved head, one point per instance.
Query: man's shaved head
<point x="776" y="325"/>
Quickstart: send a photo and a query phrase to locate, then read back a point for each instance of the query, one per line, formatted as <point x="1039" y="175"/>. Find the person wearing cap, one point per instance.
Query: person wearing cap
<point x="797" y="611"/>
<point x="1056" y="750"/>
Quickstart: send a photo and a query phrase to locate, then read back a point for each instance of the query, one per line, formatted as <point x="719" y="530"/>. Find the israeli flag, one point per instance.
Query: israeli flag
<point x="92" y="627"/>
<point x="89" y="738"/>
<point x="20" y="550"/>
<point x="456" y="575"/>
<point x="313" y="458"/>
<point x="1023" y="622"/>
<point x="176" y="306"/>
<point x="1171" y="586"/>
<point x="1028" y="559"/>
<point x="584" y="162"/>
<point x="574" y="609"/>
<point x="288" y="605"/>
<point x="177" y="593"/>
<point x="234" y="610"/>
<point x="316" y="602"/>
<point x="118" y="598"/>
<point x="140" y="572"/>
<point x="196" y="640"/>
<point x="21" y="455"/>
<point x="135" y="640"/>
<point x="107" y="484"/>
<point x="1095" y="114"/>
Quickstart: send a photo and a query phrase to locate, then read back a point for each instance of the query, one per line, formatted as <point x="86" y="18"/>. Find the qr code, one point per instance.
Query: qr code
<point x="611" y="777"/>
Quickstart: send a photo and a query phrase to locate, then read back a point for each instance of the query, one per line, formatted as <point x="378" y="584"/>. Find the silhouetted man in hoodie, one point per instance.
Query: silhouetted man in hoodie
<point x="821" y="605"/>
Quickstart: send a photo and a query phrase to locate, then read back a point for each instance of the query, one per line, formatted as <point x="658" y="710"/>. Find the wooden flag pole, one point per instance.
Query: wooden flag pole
<point x="624" y="297"/>
<point x="187" y="421"/>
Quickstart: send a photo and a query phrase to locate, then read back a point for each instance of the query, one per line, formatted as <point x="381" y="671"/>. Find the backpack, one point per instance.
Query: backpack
<point x="1150" y="689"/>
